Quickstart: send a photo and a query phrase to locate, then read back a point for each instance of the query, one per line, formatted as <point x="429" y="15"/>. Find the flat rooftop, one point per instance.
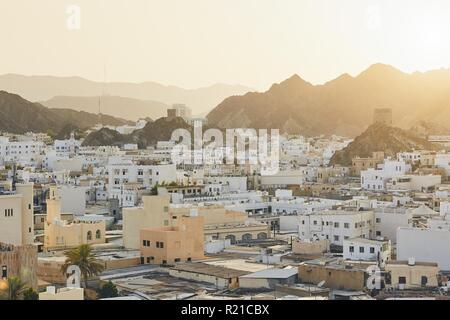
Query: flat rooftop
<point x="206" y="269"/>
<point x="275" y="273"/>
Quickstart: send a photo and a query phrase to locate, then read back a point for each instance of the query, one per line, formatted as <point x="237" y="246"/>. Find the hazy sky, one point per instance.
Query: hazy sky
<point x="193" y="43"/>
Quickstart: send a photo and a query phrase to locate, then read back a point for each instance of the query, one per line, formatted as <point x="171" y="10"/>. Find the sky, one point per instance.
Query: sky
<point x="196" y="43"/>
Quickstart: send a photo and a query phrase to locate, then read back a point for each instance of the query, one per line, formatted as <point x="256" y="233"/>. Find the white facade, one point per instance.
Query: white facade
<point x="67" y="147"/>
<point x="387" y="221"/>
<point x="73" y="199"/>
<point x="336" y="226"/>
<point x="367" y="250"/>
<point x="125" y="177"/>
<point x="26" y="153"/>
<point x="376" y="179"/>
<point x="427" y="245"/>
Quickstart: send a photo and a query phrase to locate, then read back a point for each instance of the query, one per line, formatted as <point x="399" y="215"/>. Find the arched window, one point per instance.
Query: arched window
<point x="98" y="234"/>
<point x="89" y="235"/>
<point x="262" y="235"/>
<point x="247" y="237"/>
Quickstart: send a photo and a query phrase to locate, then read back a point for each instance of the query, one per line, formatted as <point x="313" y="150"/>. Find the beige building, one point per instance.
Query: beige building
<point x="170" y="245"/>
<point x="361" y="164"/>
<point x="310" y="247"/>
<point x="62" y="294"/>
<point x="19" y="261"/>
<point x="153" y="214"/>
<point x="221" y="277"/>
<point x="219" y="223"/>
<point x="334" y="275"/>
<point x="61" y="234"/>
<point x="412" y="275"/>
<point x="16" y="215"/>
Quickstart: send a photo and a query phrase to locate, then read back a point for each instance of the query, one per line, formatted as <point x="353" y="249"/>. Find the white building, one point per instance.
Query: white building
<point x="367" y="250"/>
<point x="24" y="152"/>
<point x="376" y="179"/>
<point x="388" y="220"/>
<point x="126" y="177"/>
<point x="336" y="225"/>
<point x="67" y="147"/>
<point x="73" y="199"/>
<point x="424" y="244"/>
<point x="414" y="182"/>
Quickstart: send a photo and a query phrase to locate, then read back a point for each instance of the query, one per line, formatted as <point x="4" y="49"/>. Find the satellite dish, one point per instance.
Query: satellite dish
<point x="321" y="283"/>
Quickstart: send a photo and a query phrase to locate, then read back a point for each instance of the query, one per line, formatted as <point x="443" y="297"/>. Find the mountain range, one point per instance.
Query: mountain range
<point x="18" y="115"/>
<point x="342" y="106"/>
<point x="122" y="107"/>
<point x="43" y="88"/>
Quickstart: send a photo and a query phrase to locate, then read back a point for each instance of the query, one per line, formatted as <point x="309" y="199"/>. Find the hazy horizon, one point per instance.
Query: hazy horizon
<point x="198" y="43"/>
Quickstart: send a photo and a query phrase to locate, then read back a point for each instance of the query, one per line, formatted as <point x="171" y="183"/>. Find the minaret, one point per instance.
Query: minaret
<point x="53" y="205"/>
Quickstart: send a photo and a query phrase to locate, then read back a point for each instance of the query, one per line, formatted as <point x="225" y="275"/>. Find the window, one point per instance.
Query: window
<point x="336" y="224"/>
<point x="423" y="280"/>
<point x="148" y="259"/>
<point x="336" y="238"/>
<point x="166" y="209"/>
<point x="361" y="249"/>
<point x="401" y="280"/>
<point x="351" y="249"/>
<point x="303" y="221"/>
<point x="164" y="262"/>
<point x="378" y="233"/>
<point x="347" y="225"/>
<point x="315" y="222"/>
<point x="378" y="220"/>
<point x="177" y="260"/>
<point x="98" y="234"/>
<point x="166" y="223"/>
<point x="4" y="272"/>
<point x="372" y="250"/>
<point x="89" y="235"/>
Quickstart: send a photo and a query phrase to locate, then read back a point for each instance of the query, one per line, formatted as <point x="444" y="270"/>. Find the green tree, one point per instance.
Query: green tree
<point x="30" y="294"/>
<point x="108" y="290"/>
<point x="14" y="289"/>
<point x="85" y="259"/>
<point x="154" y="190"/>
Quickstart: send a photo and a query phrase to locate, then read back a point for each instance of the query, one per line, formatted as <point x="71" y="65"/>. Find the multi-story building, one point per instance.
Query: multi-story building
<point x="361" y="164"/>
<point x="376" y="179"/>
<point x="16" y="215"/>
<point x="176" y="244"/>
<point x="367" y="250"/>
<point x="123" y="173"/>
<point x="336" y="225"/>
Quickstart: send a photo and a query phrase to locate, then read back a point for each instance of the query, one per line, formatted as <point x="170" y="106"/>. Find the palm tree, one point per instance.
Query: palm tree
<point x="15" y="288"/>
<point x="85" y="259"/>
